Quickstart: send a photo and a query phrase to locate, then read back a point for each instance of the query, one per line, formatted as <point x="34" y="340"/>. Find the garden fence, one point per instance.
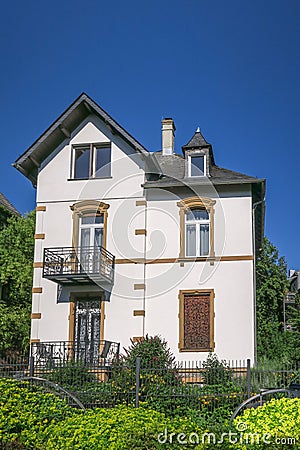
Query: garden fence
<point x="179" y="386"/>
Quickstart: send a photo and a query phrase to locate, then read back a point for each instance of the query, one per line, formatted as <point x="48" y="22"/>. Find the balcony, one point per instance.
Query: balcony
<point x="94" y="353"/>
<point x="79" y="265"/>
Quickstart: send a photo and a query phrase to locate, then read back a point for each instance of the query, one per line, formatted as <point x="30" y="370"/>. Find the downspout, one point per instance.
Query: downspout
<point x="145" y="270"/>
<point x="254" y="206"/>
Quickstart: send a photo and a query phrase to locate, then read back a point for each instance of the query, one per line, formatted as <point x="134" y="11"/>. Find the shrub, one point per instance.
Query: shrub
<point x="120" y="428"/>
<point x="24" y="414"/>
<point x="280" y="418"/>
<point x="153" y="351"/>
<point x="216" y="372"/>
<point x="72" y="374"/>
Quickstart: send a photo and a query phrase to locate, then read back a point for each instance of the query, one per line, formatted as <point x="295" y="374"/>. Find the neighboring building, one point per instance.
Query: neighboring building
<point x="130" y="243"/>
<point x="6" y="210"/>
<point x="290" y="303"/>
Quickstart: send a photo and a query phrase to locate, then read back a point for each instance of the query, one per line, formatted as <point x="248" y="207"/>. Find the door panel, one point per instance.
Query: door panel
<point x="87" y="329"/>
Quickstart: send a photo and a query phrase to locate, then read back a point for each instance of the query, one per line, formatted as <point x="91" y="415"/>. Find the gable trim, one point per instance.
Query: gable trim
<point x="28" y="163"/>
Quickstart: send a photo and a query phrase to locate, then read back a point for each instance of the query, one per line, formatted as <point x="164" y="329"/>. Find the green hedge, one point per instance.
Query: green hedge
<point x="25" y="414"/>
<point x="278" y="419"/>
<point x="34" y="420"/>
<point x="31" y="419"/>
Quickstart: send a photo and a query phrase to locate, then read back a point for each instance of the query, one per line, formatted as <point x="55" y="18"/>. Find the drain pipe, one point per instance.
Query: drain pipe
<point x="145" y="268"/>
<point x="254" y="206"/>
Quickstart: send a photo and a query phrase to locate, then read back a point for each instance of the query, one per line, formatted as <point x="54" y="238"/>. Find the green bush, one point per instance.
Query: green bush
<point x="279" y="418"/>
<point x="153" y="351"/>
<point x="119" y="428"/>
<point x="72" y="374"/>
<point x="37" y="421"/>
<point x="34" y="420"/>
<point x="216" y="372"/>
<point x="25" y="413"/>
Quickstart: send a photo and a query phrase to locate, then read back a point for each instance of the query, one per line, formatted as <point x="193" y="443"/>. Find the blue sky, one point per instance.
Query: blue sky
<point x="231" y="68"/>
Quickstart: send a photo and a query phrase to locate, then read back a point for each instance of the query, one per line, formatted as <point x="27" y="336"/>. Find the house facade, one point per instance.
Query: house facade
<point x="131" y="242"/>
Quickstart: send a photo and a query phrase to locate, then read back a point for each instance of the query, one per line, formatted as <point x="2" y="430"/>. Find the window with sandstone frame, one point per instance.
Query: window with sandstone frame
<point x="196" y="227"/>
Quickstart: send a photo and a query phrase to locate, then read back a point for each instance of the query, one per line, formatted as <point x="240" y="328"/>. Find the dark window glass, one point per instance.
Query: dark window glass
<point x="102" y="162"/>
<point x="87" y="220"/>
<point x="198" y="214"/>
<point x="82" y="162"/>
<point x="197" y="166"/>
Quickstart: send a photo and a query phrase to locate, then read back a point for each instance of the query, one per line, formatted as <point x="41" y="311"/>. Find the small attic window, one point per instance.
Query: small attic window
<point x="91" y="161"/>
<point x="196" y="165"/>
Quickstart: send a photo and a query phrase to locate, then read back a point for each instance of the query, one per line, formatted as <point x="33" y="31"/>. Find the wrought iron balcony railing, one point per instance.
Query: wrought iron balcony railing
<point x="67" y="265"/>
<point x="94" y="353"/>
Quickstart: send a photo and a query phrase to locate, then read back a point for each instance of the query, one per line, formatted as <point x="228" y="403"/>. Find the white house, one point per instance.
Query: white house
<point x="130" y="243"/>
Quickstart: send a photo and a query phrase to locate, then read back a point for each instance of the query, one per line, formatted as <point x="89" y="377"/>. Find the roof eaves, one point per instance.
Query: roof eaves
<point x="187" y="182"/>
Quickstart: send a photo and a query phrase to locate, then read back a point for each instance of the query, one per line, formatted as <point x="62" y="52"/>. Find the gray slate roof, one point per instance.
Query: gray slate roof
<point x="7" y="205"/>
<point x="173" y="173"/>
<point x="197" y="140"/>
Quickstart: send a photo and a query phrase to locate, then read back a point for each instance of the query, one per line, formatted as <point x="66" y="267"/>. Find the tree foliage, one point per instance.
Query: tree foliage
<point x="16" y="258"/>
<point x="4" y="216"/>
<point x="16" y="270"/>
<point x="272" y="285"/>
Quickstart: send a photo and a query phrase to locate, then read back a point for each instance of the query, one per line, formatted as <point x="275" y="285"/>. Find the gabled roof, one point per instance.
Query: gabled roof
<point x="29" y="162"/>
<point x="5" y="203"/>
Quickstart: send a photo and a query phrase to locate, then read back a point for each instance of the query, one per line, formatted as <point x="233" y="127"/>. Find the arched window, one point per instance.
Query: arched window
<point x="197" y="232"/>
<point x="89" y="223"/>
<point x="196" y="227"/>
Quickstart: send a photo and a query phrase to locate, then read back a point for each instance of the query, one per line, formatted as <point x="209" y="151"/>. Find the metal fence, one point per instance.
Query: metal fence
<point x="172" y="387"/>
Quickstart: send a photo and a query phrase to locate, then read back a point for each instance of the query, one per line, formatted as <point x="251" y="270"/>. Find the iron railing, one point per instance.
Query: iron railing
<point x="77" y="264"/>
<point x="94" y="353"/>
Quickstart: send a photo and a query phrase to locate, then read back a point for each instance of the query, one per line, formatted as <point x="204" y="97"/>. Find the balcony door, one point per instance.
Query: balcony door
<point x="87" y="329"/>
<point x="90" y="242"/>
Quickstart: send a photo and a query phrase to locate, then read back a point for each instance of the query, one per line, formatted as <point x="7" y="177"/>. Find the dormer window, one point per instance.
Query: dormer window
<point x="196" y="165"/>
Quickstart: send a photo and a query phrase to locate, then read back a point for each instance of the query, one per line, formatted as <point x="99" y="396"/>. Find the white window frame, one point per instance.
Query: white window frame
<point x="196" y="155"/>
<point x="92" y="227"/>
<point x="197" y="223"/>
<point x="92" y="162"/>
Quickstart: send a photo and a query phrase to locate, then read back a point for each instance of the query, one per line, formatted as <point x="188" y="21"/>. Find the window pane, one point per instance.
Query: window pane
<point x="85" y="237"/>
<point x="102" y="162"/>
<point x="98" y="237"/>
<point x="197" y="214"/>
<point x="197" y="166"/>
<point x="191" y="240"/>
<point x="90" y="220"/>
<point x="204" y="240"/>
<point x="82" y="162"/>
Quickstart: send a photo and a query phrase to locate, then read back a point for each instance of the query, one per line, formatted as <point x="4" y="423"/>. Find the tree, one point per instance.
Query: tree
<point x="271" y="286"/>
<point x="4" y="216"/>
<point x="16" y="269"/>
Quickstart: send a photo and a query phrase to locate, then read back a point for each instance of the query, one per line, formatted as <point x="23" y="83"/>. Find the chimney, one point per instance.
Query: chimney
<point x="167" y="136"/>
